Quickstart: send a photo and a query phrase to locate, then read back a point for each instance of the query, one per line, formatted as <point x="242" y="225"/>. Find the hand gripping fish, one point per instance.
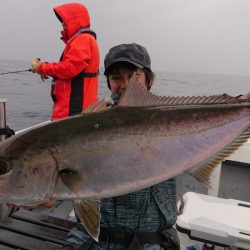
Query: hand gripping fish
<point x="144" y="140"/>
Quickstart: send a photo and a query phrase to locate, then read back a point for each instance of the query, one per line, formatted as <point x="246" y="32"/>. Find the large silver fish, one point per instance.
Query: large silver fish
<point x="144" y="140"/>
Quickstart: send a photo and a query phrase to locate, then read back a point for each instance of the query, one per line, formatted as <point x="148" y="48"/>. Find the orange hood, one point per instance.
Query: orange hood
<point x="74" y="15"/>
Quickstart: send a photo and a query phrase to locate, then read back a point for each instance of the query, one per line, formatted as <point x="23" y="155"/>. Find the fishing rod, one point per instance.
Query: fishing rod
<point x="12" y="72"/>
<point x="19" y="71"/>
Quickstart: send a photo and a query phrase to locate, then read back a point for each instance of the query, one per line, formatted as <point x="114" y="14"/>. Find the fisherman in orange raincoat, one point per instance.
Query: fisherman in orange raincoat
<point x="75" y="83"/>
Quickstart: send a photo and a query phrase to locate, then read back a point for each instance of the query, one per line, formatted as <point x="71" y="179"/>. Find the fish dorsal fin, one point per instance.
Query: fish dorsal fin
<point x="88" y="212"/>
<point x="136" y="96"/>
<point x="95" y="107"/>
<point x="203" y="171"/>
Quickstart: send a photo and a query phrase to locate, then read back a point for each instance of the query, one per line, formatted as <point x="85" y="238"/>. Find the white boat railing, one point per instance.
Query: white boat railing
<point x="2" y="116"/>
<point x="4" y="210"/>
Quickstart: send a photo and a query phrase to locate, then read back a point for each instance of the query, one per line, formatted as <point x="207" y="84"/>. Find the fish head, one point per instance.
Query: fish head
<point x="27" y="177"/>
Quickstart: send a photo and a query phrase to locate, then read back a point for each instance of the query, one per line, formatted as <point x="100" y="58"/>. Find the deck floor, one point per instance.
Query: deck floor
<point x="37" y="229"/>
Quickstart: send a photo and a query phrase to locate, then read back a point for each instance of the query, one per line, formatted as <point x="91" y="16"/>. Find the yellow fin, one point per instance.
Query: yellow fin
<point x="88" y="212"/>
<point x="203" y="171"/>
<point x="71" y="179"/>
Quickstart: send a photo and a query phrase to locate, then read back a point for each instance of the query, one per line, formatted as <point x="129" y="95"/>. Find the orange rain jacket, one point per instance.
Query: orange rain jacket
<point x="76" y="74"/>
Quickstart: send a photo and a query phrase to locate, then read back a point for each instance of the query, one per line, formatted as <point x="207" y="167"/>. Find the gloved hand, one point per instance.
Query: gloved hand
<point x="44" y="77"/>
<point x="34" y="65"/>
<point x="34" y="68"/>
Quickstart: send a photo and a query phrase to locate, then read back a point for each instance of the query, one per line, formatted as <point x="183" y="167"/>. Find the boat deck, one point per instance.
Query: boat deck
<point x="30" y="230"/>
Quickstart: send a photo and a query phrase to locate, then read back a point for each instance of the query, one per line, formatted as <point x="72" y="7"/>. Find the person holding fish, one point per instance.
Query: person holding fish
<point x="118" y="160"/>
<point x="142" y="219"/>
<point x="75" y="84"/>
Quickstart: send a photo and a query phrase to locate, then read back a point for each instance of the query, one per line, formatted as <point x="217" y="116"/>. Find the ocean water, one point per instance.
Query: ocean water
<point x="29" y="103"/>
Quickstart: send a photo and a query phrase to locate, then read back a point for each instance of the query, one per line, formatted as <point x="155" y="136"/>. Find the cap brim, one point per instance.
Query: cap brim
<point x="122" y="60"/>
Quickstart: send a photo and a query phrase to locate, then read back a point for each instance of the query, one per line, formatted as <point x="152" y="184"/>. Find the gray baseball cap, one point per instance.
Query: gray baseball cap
<point x="132" y="53"/>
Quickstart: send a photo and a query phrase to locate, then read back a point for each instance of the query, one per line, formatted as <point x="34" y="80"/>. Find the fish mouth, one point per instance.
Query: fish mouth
<point x="4" y="168"/>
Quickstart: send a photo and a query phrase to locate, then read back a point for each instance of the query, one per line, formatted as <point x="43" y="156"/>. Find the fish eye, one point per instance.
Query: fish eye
<point x="4" y="168"/>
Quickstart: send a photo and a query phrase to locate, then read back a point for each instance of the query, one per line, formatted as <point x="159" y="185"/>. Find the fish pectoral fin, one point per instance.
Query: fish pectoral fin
<point x="71" y="179"/>
<point x="88" y="212"/>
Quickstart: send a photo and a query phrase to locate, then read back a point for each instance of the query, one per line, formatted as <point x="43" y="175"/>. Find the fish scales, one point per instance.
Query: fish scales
<point x="107" y="152"/>
<point x="117" y="151"/>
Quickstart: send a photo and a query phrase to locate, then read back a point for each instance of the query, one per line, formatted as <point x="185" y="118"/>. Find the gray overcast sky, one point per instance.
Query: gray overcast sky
<point x="203" y="36"/>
